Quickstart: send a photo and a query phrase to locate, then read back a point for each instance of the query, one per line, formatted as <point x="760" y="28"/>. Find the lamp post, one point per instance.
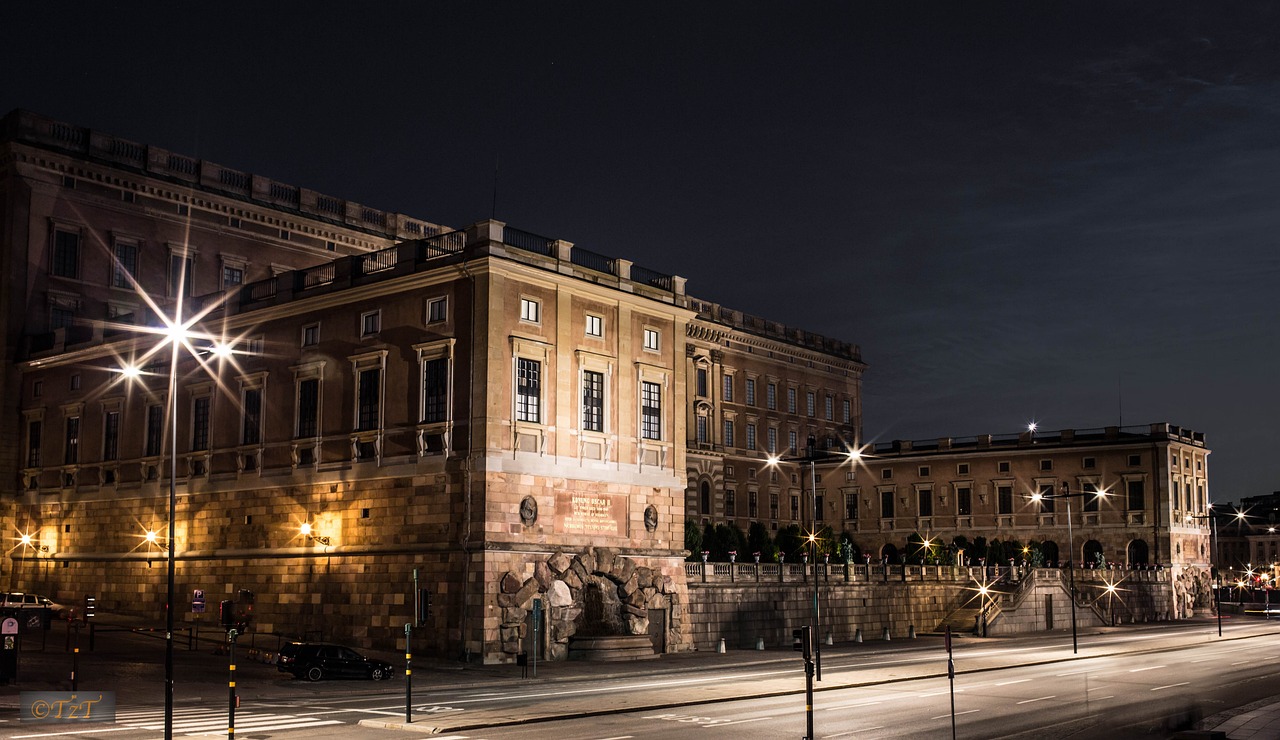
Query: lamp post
<point x="176" y="334"/>
<point x="1067" y="495"/>
<point x="811" y="456"/>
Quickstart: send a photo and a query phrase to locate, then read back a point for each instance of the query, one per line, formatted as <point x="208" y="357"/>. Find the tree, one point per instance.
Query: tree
<point x="693" y="540"/>
<point x="790" y="541"/>
<point x="759" y="540"/>
<point x="728" y="537"/>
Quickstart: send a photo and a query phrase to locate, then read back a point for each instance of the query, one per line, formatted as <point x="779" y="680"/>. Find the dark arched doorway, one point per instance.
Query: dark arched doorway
<point x="889" y="553"/>
<point x="1137" y="552"/>
<point x="1049" y="549"/>
<point x="1093" y="554"/>
<point x="705" y="498"/>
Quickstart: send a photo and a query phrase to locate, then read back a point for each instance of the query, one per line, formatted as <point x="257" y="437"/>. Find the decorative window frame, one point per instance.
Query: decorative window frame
<point x="432" y="438"/>
<point x="596" y="445"/>
<point x="249" y="457"/>
<point x="528" y="436"/>
<point x="197" y="460"/>
<point x="31" y="476"/>
<point x="375" y="360"/>
<point x="308" y="371"/>
<point x="180" y="251"/>
<point x="653" y="452"/>
<point x="106" y="407"/>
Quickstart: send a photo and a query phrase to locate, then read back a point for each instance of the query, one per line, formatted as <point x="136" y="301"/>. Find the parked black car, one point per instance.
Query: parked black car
<point x="316" y="660"/>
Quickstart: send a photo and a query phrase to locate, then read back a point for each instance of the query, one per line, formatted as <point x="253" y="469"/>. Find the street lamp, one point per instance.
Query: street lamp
<point x="812" y="456"/>
<point x="1217" y="576"/>
<point x="1067" y="495"/>
<point x="175" y="334"/>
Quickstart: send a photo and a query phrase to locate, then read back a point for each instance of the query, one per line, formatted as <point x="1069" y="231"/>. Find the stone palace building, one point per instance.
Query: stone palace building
<point x="511" y="419"/>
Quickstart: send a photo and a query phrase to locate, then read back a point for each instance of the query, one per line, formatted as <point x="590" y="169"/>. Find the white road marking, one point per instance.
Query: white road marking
<point x="967" y="711"/>
<point x="1042" y="698"/>
<point x="1158" y="688"/>
<point x="1148" y="668"/>
<point x="1007" y="683"/>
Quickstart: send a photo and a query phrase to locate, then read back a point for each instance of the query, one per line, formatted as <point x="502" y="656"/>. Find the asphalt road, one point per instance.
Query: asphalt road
<point x="1129" y="682"/>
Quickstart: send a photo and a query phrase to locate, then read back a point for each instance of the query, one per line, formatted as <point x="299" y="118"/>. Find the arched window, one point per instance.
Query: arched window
<point x="1137" y="552"/>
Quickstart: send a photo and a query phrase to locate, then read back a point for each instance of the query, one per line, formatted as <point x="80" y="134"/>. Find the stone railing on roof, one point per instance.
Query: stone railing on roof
<point x="161" y="163"/>
<point x="1063" y="437"/>
<point x="716" y="313"/>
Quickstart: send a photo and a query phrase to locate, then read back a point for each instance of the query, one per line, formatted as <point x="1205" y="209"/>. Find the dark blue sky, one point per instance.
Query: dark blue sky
<point x="1060" y="212"/>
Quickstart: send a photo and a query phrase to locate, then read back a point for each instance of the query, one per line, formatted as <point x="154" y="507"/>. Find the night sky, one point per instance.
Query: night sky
<point x="1030" y="211"/>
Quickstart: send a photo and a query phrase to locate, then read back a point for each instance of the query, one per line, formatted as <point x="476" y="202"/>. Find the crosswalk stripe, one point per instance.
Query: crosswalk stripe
<point x="197" y="721"/>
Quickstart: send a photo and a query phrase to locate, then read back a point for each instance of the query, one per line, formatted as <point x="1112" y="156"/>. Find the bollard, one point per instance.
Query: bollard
<point x="857" y="635"/>
<point x="721" y="648"/>
<point x="759" y="643"/>
<point x="911" y="632"/>
<point x="829" y="640"/>
<point x="886" y="635"/>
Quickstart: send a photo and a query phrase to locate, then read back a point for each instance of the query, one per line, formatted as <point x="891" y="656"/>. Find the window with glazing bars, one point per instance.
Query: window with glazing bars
<point x="593" y="401"/>
<point x="308" y="407"/>
<point x="34" y="431"/>
<point x="200" y="424"/>
<point x="650" y="410"/>
<point x="252" y="416"/>
<point x="368" y="402"/>
<point x="111" y="435"/>
<point x="155" y="429"/>
<point x="126" y="264"/>
<point x="73" y="441"/>
<point x="435" y="390"/>
<point x="66" y="254"/>
<point x="528" y="390"/>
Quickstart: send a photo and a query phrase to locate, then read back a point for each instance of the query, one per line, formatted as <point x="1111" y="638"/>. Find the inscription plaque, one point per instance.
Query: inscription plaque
<point x="595" y="514"/>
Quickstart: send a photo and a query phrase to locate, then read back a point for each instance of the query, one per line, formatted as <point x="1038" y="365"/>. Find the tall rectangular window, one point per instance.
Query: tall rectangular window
<point x="435" y="390"/>
<point x="771" y="396"/>
<point x="66" y="254"/>
<point x="651" y="339"/>
<point x="1091" y="500"/>
<point x="593" y="404"/>
<point x="925" y="498"/>
<point x="180" y="275"/>
<point x="728" y="432"/>
<point x="811" y="403"/>
<point x="793" y="440"/>
<point x="1136" y="494"/>
<point x="125" y="266"/>
<point x="437" y="310"/>
<point x="252" y="416"/>
<point x="200" y="424"/>
<point x="701" y="388"/>
<point x="753" y="504"/>
<point x="72" y="449"/>
<point x="34" y="433"/>
<point x="818" y="509"/>
<point x="791" y="400"/>
<point x="111" y="435"/>
<point x="847" y="410"/>
<point x="728" y="387"/>
<point x="830" y="408"/>
<point x="369" y="399"/>
<point x="751" y="436"/>
<point x="700" y="429"/>
<point x="751" y="392"/>
<point x="1004" y="499"/>
<point x="795" y="508"/>
<point x="155" y="429"/>
<point x="730" y="503"/>
<point x="528" y="390"/>
<point x="772" y="440"/>
<point x="1046" y="504"/>
<point x="964" y="501"/>
<point x="650" y="410"/>
<point x="886" y="504"/>
<point x="851" y="506"/>
<point x="773" y="506"/>
<point x="308" y="408"/>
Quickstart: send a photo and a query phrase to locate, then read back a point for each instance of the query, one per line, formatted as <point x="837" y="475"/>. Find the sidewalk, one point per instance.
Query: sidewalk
<point x="132" y="663"/>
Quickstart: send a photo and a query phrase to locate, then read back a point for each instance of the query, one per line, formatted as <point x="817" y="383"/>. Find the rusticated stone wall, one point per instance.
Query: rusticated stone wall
<point x="630" y="587"/>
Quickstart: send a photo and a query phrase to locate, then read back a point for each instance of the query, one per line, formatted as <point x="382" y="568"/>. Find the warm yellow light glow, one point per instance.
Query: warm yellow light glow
<point x="151" y="536"/>
<point x="772" y="461"/>
<point x="306" y="529"/>
<point x="131" y="371"/>
<point x="221" y="350"/>
<point x="26" y="540"/>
